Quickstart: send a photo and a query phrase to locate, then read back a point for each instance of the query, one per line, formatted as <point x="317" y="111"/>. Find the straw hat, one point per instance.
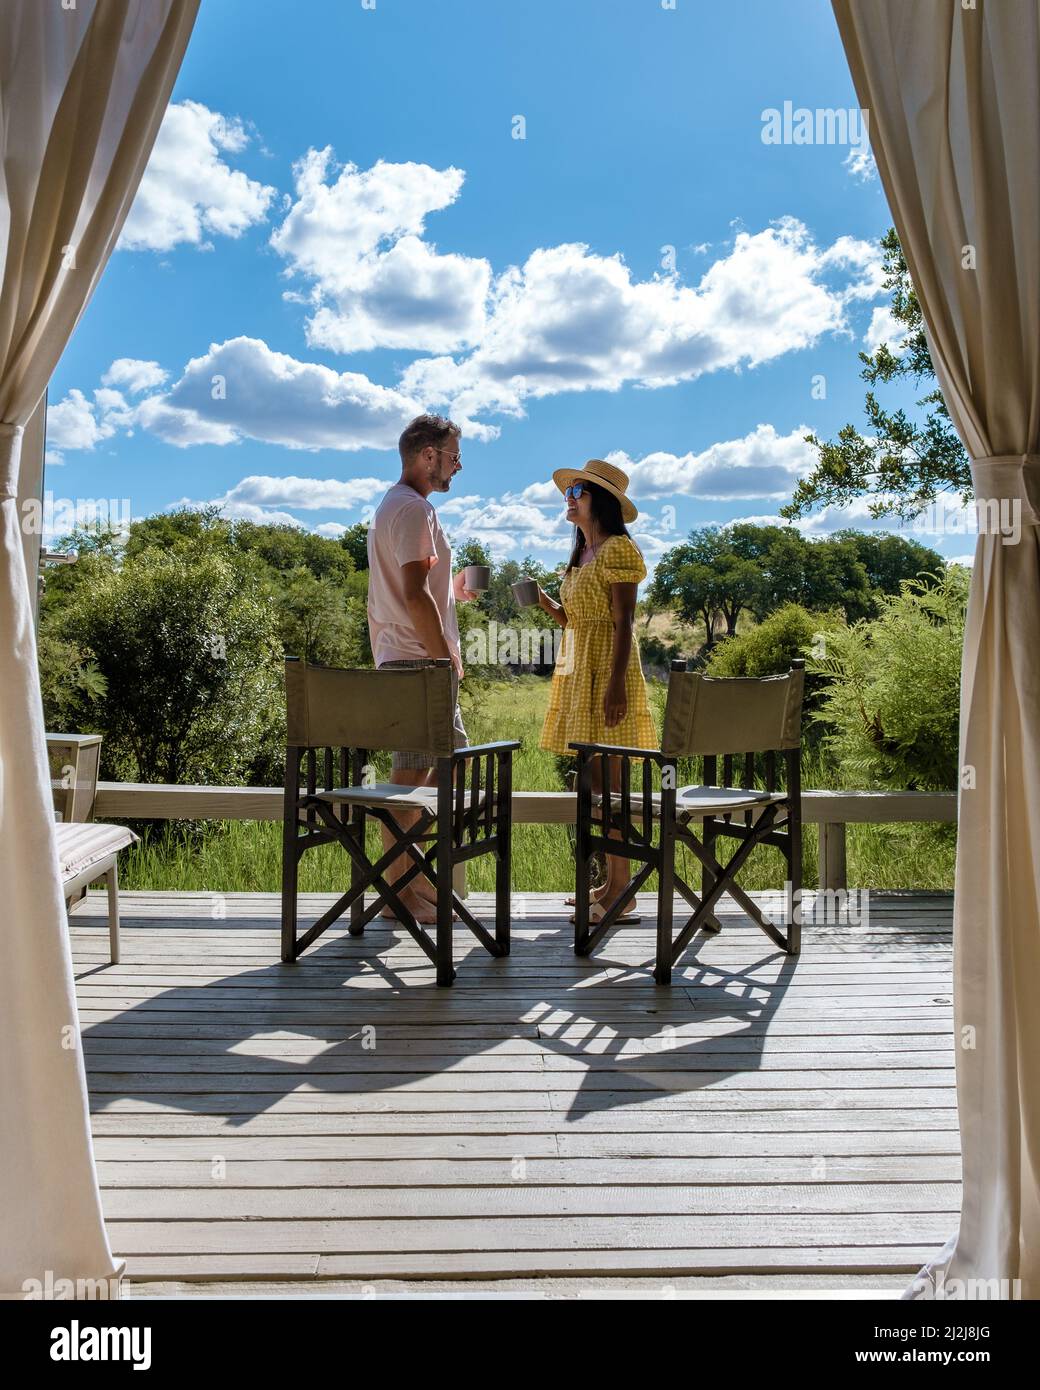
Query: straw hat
<point x="604" y="475"/>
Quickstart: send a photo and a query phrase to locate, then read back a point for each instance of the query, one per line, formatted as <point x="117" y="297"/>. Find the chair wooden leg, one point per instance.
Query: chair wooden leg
<point x="665" y="891"/>
<point x="794" y="842"/>
<point x="357" y="907"/>
<point x="290" y="854"/>
<point x="504" y="857"/>
<point x="290" y="879"/>
<point x="582" y="858"/>
<point x="112" y="883"/>
<point x="708" y="838"/>
<point x="445" y="906"/>
<point x="794" y="871"/>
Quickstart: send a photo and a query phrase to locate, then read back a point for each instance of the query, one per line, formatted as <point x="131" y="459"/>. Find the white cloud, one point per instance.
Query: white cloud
<point x="831" y="518"/>
<point x="947" y="516"/>
<point x="516" y="524"/>
<point x="180" y="426"/>
<point x="864" y="261"/>
<point x="762" y="464"/>
<point x="76" y="423"/>
<point x="507" y="526"/>
<point x="241" y="511"/>
<point x="239" y="389"/>
<point x="134" y="374"/>
<point x="275" y="398"/>
<point x="189" y="191"/>
<point x="270" y="500"/>
<point x="307" y="494"/>
<point x="860" y="163"/>
<point x="357" y="236"/>
<point x="572" y="320"/>
<point x="884" y="328"/>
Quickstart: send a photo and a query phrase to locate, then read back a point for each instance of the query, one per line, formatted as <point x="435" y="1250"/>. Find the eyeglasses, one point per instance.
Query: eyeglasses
<point x="575" y="490"/>
<point x="455" y="458"/>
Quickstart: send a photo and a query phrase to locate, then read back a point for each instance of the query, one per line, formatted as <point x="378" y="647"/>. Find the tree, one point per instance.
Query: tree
<point x="288" y="549"/>
<point x="186" y="528"/>
<point x="707" y="579"/>
<point x="69" y="680"/>
<point x="888" y="559"/>
<point x="319" y="622"/>
<point x="187" y="646"/>
<point x="354" y="541"/>
<point x="901" y="464"/>
<point x="719" y="573"/>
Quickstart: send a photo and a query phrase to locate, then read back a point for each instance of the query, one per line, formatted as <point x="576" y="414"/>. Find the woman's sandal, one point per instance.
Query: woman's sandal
<point x="597" y="912"/>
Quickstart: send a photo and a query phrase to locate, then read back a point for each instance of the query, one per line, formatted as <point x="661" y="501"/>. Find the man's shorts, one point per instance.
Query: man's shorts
<point x="420" y="761"/>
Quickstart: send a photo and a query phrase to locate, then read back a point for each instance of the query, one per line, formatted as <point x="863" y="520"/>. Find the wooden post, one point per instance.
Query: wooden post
<point x="833" y="864"/>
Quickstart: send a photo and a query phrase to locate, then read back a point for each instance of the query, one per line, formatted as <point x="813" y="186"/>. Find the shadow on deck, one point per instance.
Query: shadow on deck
<point x="548" y="1115"/>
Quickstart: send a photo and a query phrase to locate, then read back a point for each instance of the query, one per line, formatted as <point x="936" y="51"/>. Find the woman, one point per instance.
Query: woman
<point x="598" y="693"/>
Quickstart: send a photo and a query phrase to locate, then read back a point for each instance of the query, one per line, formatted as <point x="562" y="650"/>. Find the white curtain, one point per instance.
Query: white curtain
<point x="82" y="93"/>
<point x="953" y="95"/>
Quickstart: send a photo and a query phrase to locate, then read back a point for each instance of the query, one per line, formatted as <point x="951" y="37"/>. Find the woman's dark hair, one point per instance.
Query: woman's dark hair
<point x="606" y="512"/>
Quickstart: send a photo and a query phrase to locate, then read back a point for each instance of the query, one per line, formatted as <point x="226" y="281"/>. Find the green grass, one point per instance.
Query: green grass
<point x="245" y="856"/>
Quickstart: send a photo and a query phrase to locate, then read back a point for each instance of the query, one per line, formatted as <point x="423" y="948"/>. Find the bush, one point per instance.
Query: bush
<point x="182" y="667"/>
<point x="656" y="655"/>
<point x="769" y="648"/>
<point x="68" y="680"/>
<point x="891" y="703"/>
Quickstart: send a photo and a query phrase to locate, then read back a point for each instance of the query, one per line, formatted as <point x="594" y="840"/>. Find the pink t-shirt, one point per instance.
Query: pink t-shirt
<point x="405" y="528"/>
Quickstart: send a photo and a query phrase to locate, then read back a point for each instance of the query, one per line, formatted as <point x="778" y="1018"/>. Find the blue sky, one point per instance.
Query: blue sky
<point x="338" y="228"/>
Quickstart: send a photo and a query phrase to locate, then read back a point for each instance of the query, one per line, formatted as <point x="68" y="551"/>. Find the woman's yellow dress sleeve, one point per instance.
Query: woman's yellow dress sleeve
<point x="622" y="562"/>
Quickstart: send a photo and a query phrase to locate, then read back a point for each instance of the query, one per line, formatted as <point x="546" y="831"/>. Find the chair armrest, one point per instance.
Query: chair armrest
<point x="620" y="752"/>
<point x="479" y="749"/>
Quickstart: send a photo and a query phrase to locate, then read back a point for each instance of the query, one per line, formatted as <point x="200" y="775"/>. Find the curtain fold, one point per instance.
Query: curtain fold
<point x="953" y="96"/>
<point x="82" y="94"/>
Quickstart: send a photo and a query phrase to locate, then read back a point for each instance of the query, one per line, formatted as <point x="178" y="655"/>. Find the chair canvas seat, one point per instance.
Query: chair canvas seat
<point x="720" y="800"/>
<point x="393" y="794"/>
<point x="701" y="800"/>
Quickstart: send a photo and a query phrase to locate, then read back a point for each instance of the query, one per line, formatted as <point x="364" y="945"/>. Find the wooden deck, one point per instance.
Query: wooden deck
<point x="342" y="1118"/>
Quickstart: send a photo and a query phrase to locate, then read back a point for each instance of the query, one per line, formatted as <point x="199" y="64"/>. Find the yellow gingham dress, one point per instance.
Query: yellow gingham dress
<point x="579" y="682"/>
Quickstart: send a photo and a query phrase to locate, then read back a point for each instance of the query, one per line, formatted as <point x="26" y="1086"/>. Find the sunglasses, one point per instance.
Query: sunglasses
<point x="575" y="490"/>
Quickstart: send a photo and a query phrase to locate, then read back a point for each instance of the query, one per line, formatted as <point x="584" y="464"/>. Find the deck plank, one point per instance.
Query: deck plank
<point x="342" y="1118"/>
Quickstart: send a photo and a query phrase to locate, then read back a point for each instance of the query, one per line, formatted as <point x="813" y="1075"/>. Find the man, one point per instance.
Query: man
<point x="411" y="600"/>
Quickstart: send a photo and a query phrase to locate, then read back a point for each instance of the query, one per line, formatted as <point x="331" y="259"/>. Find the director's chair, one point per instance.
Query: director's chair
<point x="755" y="720"/>
<point x="334" y="718"/>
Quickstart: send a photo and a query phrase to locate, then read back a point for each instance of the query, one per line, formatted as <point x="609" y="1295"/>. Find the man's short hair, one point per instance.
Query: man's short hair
<point x="425" y="430"/>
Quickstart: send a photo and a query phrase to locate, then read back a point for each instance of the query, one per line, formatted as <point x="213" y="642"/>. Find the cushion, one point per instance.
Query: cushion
<point x="393" y="794"/>
<point x="84" y="843"/>
<point x="718" y="800"/>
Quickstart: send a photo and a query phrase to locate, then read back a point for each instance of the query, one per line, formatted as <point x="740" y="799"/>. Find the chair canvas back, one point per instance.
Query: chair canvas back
<point x="708" y="715"/>
<point x="400" y="711"/>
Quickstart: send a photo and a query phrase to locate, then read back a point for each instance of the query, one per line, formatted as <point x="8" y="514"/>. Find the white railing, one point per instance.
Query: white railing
<point x="830" y="811"/>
